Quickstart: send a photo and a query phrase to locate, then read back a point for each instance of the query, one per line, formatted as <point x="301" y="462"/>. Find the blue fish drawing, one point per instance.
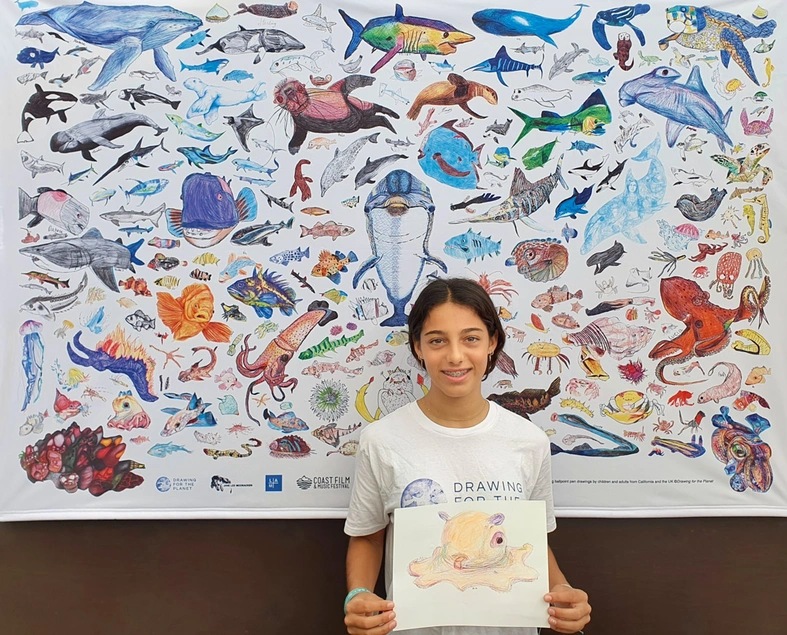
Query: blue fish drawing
<point x="34" y="56"/>
<point x="211" y="66"/>
<point x="471" y="246"/>
<point x="583" y="146"/>
<point x="160" y="450"/>
<point x="399" y="216"/>
<point x="145" y="188"/>
<point x="574" y="204"/>
<point x="448" y="156"/>
<point x="683" y="105"/>
<point x="508" y="22"/>
<point x="263" y="292"/>
<point x="198" y="158"/>
<point x="193" y="40"/>
<point x="641" y="199"/>
<point x="289" y="255"/>
<point x="128" y="30"/>
<point x="569" y="233"/>
<point x="593" y="77"/>
<point x="237" y="76"/>
<point x="32" y="360"/>
<point x="502" y="62"/>
<point x="209" y="212"/>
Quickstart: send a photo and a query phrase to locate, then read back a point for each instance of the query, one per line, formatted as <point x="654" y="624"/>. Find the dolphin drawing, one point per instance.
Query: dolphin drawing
<point x="399" y="216"/>
<point x="91" y="250"/>
<point x="683" y="105"/>
<point x="513" y="23"/>
<point x="129" y="30"/>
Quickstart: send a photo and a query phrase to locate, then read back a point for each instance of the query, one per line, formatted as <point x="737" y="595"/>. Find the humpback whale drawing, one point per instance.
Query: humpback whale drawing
<point x="129" y="30"/>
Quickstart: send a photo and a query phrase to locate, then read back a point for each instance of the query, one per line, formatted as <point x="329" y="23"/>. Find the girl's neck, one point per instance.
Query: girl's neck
<point x="454" y="413"/>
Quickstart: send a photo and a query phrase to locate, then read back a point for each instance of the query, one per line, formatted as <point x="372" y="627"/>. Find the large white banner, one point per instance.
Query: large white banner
<point x="215" y="219"/>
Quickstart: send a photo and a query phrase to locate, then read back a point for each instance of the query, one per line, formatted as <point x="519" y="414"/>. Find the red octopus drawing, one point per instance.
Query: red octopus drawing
<point x="680" y="398"/>
<point x="708" y="325"/>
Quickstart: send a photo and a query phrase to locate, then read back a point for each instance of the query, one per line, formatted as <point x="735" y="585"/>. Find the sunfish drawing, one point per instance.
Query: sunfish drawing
<point x="706" y="29"/>
<point x="128" y="30"/>
<point x="683" y="105"/>
<point x="209" y="211"/>
<point x="448" y="156"/>
<point x="253" y="41"/>
<point x="57" y="207"/>
<point x="91" y="250"/>
<point x="399" y="34"/>
<point x="474" y="552"/>
<point x="641" y="199"/>
<point x="32" y="360"/>
<point x="588" y="119"/>
<point x="118" y="354"/>
<point x="399" y="217"/>
<point x="512" y="23"/>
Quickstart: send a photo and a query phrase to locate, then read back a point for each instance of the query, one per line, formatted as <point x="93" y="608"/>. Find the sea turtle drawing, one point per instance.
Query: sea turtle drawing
<point x="746" y="169"/>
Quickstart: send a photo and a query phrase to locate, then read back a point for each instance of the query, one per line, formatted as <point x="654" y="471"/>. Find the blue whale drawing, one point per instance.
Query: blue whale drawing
<point x="520" y="23"/>
<point x="129" y="30"/>
<point x="683" y="105"/>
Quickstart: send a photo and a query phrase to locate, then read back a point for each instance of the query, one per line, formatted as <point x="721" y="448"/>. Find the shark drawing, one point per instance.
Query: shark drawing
<point x="129" y="30"/>
<point x="91" y="250"/>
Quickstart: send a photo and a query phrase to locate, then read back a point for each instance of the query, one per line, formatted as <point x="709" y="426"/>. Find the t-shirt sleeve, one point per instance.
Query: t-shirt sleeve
<point x="367" y="508"/>
<point x="543" y="489"/>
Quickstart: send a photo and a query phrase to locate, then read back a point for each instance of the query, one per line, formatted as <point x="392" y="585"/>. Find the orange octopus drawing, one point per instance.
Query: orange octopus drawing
<point x="474" y="552"/>
<point x="707" y="329"/>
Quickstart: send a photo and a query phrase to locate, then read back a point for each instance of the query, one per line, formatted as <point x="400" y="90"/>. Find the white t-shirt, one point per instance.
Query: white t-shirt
<point x="405" y="459"/>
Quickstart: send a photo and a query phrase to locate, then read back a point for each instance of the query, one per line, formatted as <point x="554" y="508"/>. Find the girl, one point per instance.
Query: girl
<point x="429" y="450"/>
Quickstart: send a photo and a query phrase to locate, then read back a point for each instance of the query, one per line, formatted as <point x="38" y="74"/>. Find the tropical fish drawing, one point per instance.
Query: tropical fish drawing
<point x="191" y="313"/>
<point x="588" y="119"/>
<point x="264" y="291"/>
<point x="399" y="34"/>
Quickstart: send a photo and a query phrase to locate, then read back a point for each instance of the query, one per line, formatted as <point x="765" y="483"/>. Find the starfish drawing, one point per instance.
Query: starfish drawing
<point x="170" y="356"/>
<point x="261" y="400"/>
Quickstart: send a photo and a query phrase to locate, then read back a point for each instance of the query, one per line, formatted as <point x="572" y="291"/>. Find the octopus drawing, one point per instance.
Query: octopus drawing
<point x="474" y="552"/>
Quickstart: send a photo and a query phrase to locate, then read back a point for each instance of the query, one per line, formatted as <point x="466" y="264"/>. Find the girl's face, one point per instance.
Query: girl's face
<point x="455" y="348"/>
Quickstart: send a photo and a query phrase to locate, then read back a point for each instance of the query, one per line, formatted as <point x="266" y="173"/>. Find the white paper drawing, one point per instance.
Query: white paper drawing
<point x="481" y="563"/>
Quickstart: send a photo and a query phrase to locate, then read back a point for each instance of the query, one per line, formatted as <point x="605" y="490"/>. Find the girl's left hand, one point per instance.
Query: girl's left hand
<point x="569" y="611"/>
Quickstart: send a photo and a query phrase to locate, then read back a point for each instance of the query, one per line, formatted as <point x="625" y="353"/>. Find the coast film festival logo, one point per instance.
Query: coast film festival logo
<point x="323" y="482"/>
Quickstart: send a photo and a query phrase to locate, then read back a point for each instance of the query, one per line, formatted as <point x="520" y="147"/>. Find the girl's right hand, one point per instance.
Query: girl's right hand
<point x="369" y="614"/>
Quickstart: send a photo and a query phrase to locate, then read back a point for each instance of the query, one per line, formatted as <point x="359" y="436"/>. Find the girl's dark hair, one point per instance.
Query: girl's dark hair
<point x="460" y="291"/>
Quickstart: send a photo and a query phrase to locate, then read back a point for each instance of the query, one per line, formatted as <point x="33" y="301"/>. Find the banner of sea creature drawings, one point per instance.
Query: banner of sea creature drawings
<point x="216" y="218"/>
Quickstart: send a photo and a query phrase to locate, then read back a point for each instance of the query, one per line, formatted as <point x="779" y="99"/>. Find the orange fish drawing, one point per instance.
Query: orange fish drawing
<point x="190" y="314"/>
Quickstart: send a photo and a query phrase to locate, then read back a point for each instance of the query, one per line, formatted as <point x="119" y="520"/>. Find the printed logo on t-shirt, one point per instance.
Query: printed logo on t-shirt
<point x="487" y="491"/>
<point x="424" y="491"/>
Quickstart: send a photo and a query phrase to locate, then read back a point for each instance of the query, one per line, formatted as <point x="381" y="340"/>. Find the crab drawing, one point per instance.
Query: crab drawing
<point x="628" y="407"/>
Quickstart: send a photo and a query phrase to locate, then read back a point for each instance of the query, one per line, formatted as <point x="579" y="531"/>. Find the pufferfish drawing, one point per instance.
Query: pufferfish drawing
<point x="474" y="552"/>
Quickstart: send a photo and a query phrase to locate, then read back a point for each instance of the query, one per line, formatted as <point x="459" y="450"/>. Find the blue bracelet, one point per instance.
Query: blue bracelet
<point x="352" y="594"/>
